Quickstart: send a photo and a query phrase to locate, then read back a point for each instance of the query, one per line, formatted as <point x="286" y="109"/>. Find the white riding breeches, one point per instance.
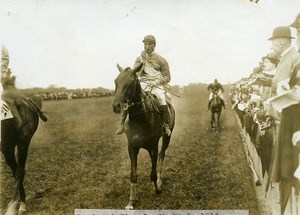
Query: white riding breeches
<point x="160" y="94"/>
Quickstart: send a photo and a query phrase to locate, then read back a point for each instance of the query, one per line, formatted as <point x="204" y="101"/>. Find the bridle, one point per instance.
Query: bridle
<point x="130" y="103"/>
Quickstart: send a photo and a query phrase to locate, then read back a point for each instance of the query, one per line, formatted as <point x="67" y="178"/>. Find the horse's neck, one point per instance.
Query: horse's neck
<point x="142" y="110"/>
<point x="216" y="99"/>
<point x="139" y="94"/>
<point x="137" y="100"/>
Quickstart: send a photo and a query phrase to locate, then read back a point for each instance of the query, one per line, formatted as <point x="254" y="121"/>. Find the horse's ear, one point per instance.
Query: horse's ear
<point x="119" y="68"/>
<point x="138" y="68"/>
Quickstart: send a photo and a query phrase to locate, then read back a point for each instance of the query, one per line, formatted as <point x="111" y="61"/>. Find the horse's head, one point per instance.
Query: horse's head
<point x="126" y="86"/>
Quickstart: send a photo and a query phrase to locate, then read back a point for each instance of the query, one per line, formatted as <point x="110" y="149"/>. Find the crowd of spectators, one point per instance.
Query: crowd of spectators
<point x="61" y="93"/>
<point x="268" y="105"/>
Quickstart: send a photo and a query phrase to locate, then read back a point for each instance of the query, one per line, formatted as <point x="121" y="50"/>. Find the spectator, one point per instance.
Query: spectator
<point x="289" y="58"/>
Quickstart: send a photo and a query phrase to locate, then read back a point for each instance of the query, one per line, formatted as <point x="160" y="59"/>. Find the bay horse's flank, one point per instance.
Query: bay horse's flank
<point x="12" y="138"/>
<point x="143" y="129"/>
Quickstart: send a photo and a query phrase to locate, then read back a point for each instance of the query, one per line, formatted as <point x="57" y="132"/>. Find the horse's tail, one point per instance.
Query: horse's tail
<point x="38" y="110"/>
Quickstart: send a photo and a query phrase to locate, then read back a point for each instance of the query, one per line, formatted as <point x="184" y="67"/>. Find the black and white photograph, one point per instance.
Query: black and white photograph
<point x="148" y="107"/>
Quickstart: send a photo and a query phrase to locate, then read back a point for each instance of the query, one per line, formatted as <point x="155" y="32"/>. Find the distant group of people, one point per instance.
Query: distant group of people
<point x="272" y="92"/>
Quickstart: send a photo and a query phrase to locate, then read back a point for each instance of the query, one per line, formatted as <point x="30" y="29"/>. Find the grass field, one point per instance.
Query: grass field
<point x="76" y="161"/>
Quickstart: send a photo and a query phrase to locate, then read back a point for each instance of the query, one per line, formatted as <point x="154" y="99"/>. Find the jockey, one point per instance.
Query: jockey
<point x="9" y="94"/>
<point x="215" y="87"/>
<point x="154" y="75"/>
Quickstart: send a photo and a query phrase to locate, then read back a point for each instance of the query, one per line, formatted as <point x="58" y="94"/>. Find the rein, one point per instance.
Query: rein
<point x="129" y="104"/>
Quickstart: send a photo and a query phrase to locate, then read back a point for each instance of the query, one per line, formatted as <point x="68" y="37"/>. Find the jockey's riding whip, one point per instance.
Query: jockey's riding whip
<point x="161" y="89"/>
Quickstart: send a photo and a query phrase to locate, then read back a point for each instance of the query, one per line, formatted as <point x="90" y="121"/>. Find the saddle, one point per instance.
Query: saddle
<point x="9" y="107"/>
<point x="154" y="105"/>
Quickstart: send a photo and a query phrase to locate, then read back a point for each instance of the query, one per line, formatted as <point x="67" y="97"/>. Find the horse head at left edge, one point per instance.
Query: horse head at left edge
<point x="13" y="136"/>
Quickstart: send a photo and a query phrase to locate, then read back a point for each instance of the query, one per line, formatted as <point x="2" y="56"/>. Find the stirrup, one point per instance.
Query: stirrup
<point x="120" y="130"/>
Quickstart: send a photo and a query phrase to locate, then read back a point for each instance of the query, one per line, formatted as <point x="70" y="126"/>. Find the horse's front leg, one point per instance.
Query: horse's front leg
<point x="153" y="175"/>
<point x="22" y="158"/>
<point x="161" y="158"/>
<point x="7" y="149"/>
<point x="133" y="152"/>
<point x="218" y="122"/>
<point x="212" y="121"/>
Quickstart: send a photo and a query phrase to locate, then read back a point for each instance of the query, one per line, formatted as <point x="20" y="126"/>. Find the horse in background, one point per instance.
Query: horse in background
<point x="144" y="127"/>
<point x="216" y="110"/>
<point x="11" y="138"/>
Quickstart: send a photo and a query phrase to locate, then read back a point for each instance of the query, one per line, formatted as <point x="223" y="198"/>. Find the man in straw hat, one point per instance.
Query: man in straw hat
<point x="154" y="74"/>
<point x="286" y="158"/>
<point x="264" y="79"/>
<point x="295" y="77"/>
<point x="289" y="58"/>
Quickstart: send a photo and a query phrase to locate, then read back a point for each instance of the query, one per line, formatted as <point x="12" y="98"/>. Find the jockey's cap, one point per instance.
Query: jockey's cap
<point x="149" y="38"/>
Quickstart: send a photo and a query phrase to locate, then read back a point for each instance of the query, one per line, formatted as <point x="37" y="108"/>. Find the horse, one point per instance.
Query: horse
<point x="11" y="138"/>
<point x="143" y="128"/>
<point x="216" y="110"/>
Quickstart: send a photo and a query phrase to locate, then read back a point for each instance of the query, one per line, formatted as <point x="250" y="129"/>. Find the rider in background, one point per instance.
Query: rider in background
<point x="216" y="87"/>
<point x="154" y="75"/>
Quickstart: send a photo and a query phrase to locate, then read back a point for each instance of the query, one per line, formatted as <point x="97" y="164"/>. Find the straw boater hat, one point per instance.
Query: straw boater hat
<point x="281" y="32"/>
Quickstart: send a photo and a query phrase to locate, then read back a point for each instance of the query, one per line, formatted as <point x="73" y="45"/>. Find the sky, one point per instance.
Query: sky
<point x="78" y="43"/>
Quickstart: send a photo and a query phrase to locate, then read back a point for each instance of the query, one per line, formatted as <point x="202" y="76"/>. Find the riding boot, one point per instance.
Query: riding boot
<point x="223" y="103"/>
<point x="166" y="120"/>
<point x="209" y="103"/>
<point x="122" y="127"/>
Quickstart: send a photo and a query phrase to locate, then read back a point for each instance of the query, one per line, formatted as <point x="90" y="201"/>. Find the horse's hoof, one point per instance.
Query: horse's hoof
<point x="12" y="208"/>
<point x="158" y="191"/>
<point x="22" y="208"/>
<point x="129" y="206"/>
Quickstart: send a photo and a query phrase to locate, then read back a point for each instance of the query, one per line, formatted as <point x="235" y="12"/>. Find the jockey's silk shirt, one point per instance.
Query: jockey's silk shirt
<point x="155" y="67"/>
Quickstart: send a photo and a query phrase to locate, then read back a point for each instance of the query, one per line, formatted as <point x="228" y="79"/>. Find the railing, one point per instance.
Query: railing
<point x="271" y="189"/>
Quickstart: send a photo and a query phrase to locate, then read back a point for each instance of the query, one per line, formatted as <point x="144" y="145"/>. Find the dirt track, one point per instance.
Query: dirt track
<point x="76" y="161"/>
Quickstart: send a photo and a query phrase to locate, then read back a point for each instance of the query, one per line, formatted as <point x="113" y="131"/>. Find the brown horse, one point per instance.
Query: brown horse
<point x="144" y="127"/>
<point x="216" y="110"/>
<point x="12" y="138"/>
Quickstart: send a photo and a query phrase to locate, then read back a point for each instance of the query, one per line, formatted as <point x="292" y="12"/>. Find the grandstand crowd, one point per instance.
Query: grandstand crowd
<point x="268" y="106"/>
